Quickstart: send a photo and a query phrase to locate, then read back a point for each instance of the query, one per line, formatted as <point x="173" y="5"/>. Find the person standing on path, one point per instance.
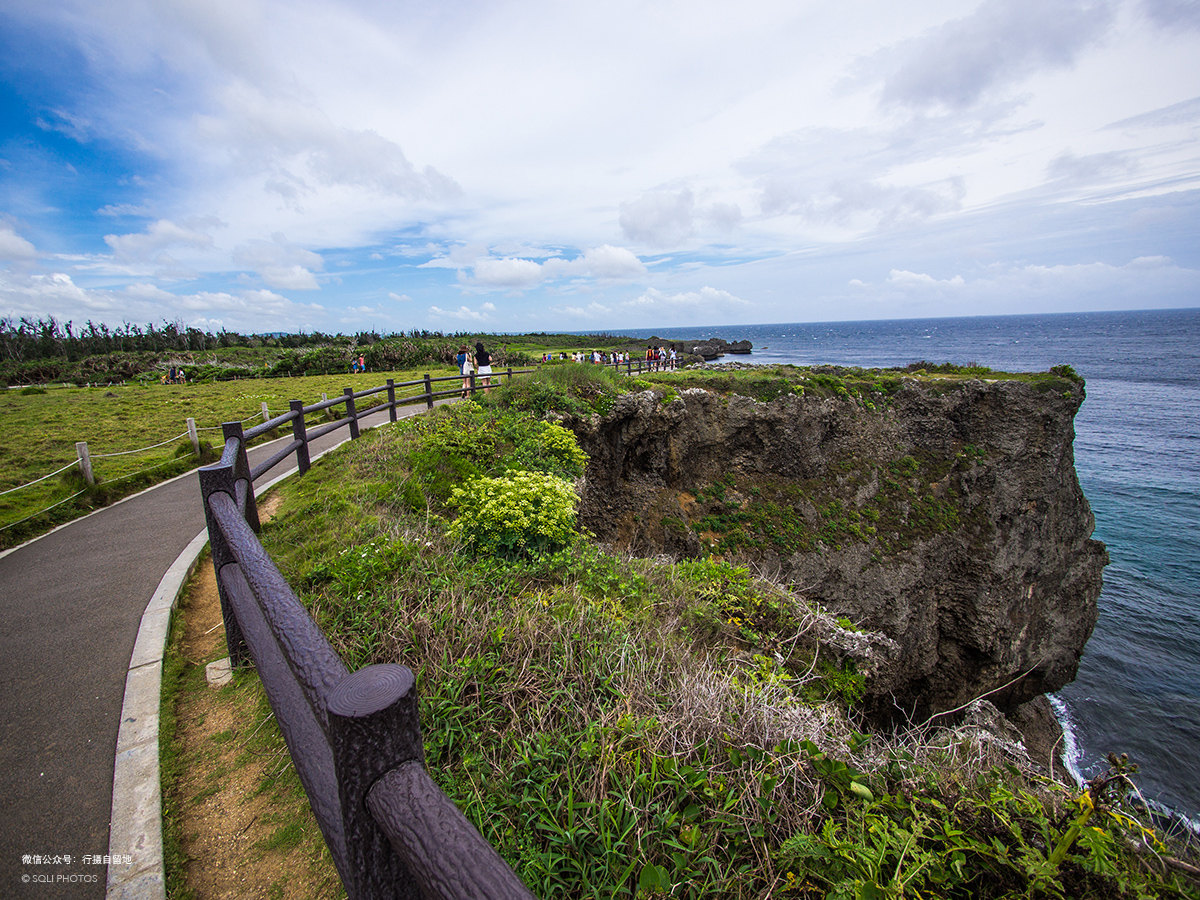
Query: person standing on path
<point x="483" y="365"/>
<point x="464" y="366"/>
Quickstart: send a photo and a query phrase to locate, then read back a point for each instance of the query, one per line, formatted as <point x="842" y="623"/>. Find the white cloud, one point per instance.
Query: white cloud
<point x="58" y="295"/>
<point x="605" y="262"/>
<point x="1000" y="43"/>
<point x="13" y="246"/>
<point x="707" y="301"/>
<point x="281" y="264"/>
<point x="463" y="313"/>
<point x="150" y="244"/>
<point x="903" y="277"/>
<point x="399" y="298"/>
<point x="507" y="273"/>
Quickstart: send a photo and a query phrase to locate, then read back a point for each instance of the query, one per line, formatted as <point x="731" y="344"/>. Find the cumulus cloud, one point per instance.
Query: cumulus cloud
<point x="281" y="264"/>
<point x="920" y="279"/>
<point x="707" y="301"/>
<point x="299" y="146"/>
<point x="14" y="247"/>
<point x="659" y="218"/>
<point x="1002" y="42"/>
<point x="150" y="244"/>
<point x="605" y="262"/>
<point x="507" y="273"/>
<point x="463" y="313"/>
<point x="399" y="298"/>
<point x="669" y="218"/>
<point x="56" y="294"/>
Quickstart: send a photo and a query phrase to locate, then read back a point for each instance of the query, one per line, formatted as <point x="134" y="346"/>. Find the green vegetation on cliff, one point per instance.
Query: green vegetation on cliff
<point x="619" y="726"/>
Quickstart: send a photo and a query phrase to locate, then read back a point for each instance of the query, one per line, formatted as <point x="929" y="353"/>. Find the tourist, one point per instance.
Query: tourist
<point x="483" y="365"/>
<point x="464" y="366"/>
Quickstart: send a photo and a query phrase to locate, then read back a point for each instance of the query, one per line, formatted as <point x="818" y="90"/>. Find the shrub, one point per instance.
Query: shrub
<point x="519" y="514"/>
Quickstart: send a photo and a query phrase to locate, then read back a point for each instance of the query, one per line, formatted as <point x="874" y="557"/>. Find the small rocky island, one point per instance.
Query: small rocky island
<point x="942" y="516"/>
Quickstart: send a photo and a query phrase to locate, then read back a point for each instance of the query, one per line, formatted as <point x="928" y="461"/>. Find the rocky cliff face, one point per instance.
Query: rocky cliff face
<point x="947" y="516"/>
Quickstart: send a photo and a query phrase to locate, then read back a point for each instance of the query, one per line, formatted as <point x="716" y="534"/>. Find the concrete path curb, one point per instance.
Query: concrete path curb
<point x="135" y="828"/>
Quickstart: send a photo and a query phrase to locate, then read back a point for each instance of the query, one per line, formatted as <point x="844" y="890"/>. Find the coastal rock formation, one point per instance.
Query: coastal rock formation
<point x="946" y="516"/>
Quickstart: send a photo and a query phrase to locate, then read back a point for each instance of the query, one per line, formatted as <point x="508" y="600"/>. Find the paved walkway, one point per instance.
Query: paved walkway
<point x="71" y="603"/>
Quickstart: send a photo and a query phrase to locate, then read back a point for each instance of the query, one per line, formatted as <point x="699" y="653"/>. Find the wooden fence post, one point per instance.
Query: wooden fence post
<point x="391" y="399"/>
<point x="85" y="462"/>
<point x="428" y="391"/>
<point x="213" y="479"/>
<point x="266" y="412"/>
<point x="194" y="435"/>
<point x="300" y="433"/>
<point x="241" y="470"/>
<point x="472" y="394"/>
<point x="348" y="393"/>
<point x="373" y="727"/>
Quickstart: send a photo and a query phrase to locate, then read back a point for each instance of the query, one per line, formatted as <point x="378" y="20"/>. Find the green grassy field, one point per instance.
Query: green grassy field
<point x="40" y="427"/>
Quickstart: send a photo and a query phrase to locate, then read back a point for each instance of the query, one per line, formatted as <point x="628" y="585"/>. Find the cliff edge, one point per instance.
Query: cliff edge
<point x="943" y="513"/>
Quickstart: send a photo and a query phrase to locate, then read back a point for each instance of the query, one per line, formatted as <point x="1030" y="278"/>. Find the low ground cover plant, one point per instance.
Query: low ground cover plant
<point x="622" y="727"/>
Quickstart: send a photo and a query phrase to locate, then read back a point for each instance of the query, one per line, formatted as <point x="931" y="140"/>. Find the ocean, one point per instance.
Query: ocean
<point x="1137" y="452"/>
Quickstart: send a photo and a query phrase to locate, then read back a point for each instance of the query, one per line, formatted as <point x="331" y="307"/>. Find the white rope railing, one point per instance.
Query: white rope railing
<point x="73" y="462"/>
<point x="139" y="449"/>
<point x="40" y="511"/>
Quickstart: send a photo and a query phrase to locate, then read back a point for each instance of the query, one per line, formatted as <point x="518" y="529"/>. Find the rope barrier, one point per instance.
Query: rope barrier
<point x="140" y="449"/>
<point x="40" y="511"/>
<point x="139" y="472"/>
<point x="73" y="462"/>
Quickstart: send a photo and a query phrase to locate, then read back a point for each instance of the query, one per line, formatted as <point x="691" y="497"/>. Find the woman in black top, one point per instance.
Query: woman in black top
<point x="483" y="366"/>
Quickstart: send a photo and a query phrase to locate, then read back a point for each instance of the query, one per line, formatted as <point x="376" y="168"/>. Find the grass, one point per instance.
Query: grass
<point x="40" y="430"/>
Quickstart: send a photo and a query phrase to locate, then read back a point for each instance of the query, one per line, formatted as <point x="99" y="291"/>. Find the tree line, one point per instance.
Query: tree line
<point x="26" y="339"/>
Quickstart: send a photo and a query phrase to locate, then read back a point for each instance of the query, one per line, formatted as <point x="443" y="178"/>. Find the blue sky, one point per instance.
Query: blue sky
<point x="261" y="165"/>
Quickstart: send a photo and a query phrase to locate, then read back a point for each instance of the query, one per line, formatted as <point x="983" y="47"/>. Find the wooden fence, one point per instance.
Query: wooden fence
<point x="354" y="737"/>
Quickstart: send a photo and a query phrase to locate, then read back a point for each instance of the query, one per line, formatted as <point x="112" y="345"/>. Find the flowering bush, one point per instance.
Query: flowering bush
<point x="521" y="513"/>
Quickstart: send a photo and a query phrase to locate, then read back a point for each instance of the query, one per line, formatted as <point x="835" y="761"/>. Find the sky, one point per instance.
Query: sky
<point x="387" y="165"/>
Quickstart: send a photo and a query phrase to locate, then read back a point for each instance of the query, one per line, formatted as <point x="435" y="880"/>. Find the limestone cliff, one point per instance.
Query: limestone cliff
<point x="945" y="514"/>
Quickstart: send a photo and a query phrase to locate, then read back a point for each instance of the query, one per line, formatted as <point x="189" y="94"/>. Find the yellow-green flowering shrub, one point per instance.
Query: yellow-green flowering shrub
<point x="516" y="514"/>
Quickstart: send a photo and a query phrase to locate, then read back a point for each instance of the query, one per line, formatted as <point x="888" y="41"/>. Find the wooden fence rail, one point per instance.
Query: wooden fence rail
<point x="354" y="737"/>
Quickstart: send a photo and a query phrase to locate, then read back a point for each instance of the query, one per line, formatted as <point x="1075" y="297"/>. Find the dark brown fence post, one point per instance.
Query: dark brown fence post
<point x="472" y="394"/>
<point x="300" y="433"/>
<point x="391" y="399"/>
<point x="348" y="393"/>
<point x="428" y="391"/>
<point x="373" y="727"/>
<point x="510" y="374"/>
<point x="213" y="479"/>
<point x="241" y="470"/>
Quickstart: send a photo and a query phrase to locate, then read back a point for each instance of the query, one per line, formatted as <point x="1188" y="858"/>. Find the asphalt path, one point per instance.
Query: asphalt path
<point x="70" y="606"/>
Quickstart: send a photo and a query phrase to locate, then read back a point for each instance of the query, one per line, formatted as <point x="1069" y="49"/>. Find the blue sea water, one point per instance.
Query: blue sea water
<point x="1137" y="453"/>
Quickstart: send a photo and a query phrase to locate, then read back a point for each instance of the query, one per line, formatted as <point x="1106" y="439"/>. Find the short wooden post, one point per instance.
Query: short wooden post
<point x="194" y="435"/>
<point x="428" y="391"/>
<point x="348" y="393"/>
<point x="373" y="727"/>
<point x="300" y="433"/>
<point x="391" y="399"/>
<point x="85" y="462"/>
<point x="472" y="394"/>
<point x="266" y="412"/>
<point x="510" y="374"/>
